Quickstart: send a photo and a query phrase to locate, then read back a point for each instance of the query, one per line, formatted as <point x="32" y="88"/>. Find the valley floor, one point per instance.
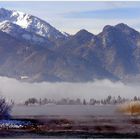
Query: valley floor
<point x="82" y="127"/>
<point x="71" y="121"/>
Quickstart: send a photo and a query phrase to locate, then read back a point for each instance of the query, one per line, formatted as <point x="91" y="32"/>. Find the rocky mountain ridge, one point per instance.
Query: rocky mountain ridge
<point x="32" y="50"/>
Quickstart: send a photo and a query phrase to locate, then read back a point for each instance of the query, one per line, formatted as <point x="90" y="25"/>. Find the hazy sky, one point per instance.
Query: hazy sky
<point x="73" y="16"/>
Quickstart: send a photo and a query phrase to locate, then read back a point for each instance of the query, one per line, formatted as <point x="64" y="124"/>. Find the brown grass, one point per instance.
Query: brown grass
<point x="130" y="108"/>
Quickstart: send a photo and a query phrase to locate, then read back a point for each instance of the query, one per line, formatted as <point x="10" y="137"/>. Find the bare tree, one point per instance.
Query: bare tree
<point x="84" y="102"/>
<point x="5" y="108"/>
<point x="133" y="109"/>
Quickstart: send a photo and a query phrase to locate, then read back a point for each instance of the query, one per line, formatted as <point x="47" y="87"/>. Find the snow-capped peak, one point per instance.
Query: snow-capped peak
<point x="30" y="23"/>
<point x="21" y="19"/>
<point x="13" y="16"/>
<point x="21" y="34"/>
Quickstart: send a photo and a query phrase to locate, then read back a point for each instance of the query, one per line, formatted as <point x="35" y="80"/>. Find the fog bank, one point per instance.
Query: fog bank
<point x="20" y="91"/>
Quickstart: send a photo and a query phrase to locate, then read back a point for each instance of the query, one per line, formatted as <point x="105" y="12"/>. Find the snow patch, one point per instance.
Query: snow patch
<point x="30" y="23"/>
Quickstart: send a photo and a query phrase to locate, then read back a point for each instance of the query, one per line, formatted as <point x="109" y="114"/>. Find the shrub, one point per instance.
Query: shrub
<point x="5" y="109"/>
<point x="131" y="108"/>
<point x="31" y="101"/>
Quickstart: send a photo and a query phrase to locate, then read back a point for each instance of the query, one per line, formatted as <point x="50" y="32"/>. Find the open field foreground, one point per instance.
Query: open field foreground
<point x="54" y="125"/>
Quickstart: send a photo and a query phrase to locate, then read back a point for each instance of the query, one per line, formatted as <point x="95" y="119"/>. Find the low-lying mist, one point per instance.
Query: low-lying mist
<point x="98" y="89"/>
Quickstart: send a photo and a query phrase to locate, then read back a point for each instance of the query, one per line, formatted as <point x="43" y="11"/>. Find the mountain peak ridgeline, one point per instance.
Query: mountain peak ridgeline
<point x="32" y="48"/>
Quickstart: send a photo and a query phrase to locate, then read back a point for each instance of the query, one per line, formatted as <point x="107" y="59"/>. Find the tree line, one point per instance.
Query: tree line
<point x="109" y="100"/>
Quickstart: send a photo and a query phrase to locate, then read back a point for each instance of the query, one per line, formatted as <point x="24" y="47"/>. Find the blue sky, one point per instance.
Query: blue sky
<point x="73" y="16"/>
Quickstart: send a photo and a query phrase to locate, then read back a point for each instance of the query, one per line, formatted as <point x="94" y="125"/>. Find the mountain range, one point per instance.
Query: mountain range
<point x="33" y="50"/>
